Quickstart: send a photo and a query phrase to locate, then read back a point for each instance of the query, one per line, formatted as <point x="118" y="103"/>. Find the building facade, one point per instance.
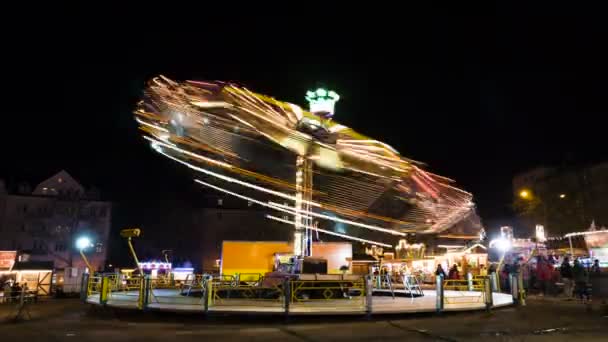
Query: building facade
<point x="44" y="223"/>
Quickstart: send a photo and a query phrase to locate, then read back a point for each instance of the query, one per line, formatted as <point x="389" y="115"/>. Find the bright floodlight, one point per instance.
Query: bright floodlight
<point x="501" y="243"/>
<point x="83" y="242"/>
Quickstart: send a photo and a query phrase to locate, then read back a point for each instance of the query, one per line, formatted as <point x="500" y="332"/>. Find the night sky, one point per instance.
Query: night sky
<point x="479" y="94"/>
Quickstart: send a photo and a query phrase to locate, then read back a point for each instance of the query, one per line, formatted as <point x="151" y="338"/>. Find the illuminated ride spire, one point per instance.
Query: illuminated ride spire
<point x="322" y="102"/>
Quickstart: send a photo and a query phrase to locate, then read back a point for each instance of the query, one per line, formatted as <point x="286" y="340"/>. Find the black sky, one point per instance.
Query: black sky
<point x="477" y="93"/>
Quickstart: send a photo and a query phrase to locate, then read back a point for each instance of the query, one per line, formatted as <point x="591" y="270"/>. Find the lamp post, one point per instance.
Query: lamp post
<point x="82" y="243"/>
<point x="129" y="234"/>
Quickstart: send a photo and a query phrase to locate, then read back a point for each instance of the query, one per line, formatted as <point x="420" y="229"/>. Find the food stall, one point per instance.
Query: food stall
<point x="468" y="259"/>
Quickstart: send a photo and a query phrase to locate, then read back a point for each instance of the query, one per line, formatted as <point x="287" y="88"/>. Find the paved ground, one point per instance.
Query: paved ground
<point x="540" y="320"/>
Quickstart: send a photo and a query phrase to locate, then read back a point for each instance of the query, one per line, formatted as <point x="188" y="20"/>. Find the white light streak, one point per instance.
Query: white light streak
<point x="369" y="141"/>
<point x="331" y="233"/>
<point x="175" y="148"/>
<point x="227" y="178"/>
<point x="337" y="219"/>
<point x="246" y="197"/>
<point x="211" y="104"/>
<point x="450" y="246"/>
<point x="586" y="233"/>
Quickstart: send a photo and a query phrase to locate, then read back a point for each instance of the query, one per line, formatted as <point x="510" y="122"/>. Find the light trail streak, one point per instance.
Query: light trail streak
<point x="188" y="153"/>
<point x="349" y="237"/>
<point x="151" y="125"/>
<point x="253" y="200"/>
<point x="237" y="181"/>
<point x="337" y="219"/>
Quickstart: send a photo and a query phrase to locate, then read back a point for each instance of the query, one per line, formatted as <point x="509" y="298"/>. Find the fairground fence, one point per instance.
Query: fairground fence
<point x="18" y="299"/>
<point x="277" y="294"/>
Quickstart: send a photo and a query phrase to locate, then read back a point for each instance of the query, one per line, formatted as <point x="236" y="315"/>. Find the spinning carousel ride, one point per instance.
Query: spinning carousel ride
<point x="301" y="164"/>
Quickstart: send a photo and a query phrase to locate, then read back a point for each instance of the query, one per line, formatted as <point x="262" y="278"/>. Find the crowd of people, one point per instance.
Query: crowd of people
<point x="544" y="273"/>
<point x="11" y="291"/>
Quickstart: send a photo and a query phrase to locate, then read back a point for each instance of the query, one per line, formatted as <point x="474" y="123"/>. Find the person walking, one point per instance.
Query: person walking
<point x="579" y="273"/>
<point x="565" y="271"/>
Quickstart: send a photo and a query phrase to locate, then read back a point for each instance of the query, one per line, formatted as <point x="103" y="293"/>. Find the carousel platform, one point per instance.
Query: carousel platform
<point x="382" y="302"/>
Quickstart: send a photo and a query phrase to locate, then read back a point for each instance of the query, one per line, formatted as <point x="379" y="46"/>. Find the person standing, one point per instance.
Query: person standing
<point x="580" y="280"/>
<point x="596" y="269"/>
<point x="565" y="271"/>
<point x="453" y="274"/>
<point x="544" y="274"/>
<point x="525" y="275"/>
<point x="439" y="271"/>
<point x="483" y="271"/>
<point x="7" y="292"/>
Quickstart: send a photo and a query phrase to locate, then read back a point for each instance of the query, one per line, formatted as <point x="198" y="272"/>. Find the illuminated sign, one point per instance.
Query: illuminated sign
<point x="155" y="265"/>
<point x="7" y="259"/>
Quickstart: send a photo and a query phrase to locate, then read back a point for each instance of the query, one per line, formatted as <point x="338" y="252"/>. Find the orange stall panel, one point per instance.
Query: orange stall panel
<point x="258" y="256"/>
<point x="251" y="256"/>
<point x="336" y="254"/>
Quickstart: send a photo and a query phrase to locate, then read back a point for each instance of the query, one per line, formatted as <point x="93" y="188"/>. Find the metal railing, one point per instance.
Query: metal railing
<point x="307" y="290"/>
<point x="270" y="291"/>
<point x="279" y="294"/>
<point x="465" y="291"/>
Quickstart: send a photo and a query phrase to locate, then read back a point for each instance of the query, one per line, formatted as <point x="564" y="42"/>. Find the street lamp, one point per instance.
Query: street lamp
<point x="501" y="244"/>
<point x="525" y="194"/>
<point x="82" y="243"/>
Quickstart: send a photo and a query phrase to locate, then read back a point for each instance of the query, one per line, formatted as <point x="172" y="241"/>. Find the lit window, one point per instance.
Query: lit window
<point x="60" y="180"/>
<point x="220" y="201"/>
<point x="99" y="247"/>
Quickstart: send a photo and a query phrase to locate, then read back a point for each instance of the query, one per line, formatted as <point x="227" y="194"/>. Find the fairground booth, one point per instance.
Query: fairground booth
<point x="36" y="276"/>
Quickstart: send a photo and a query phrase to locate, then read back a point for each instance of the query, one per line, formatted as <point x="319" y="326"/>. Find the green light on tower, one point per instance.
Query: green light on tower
<point x="322" y="102"/>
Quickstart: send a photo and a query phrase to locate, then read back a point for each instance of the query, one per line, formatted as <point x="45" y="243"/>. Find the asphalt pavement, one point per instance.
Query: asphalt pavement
<point x="546" y="319"/>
